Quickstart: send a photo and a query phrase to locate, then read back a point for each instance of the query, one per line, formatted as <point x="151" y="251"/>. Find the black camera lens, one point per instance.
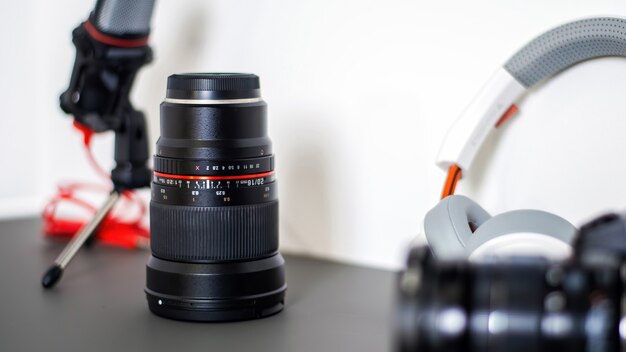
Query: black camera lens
<point x="214" y="206"/>
<point x="509" y="304"/>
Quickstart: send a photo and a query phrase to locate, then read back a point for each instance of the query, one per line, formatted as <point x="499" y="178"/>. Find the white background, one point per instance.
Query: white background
<point x="360" y="95"/>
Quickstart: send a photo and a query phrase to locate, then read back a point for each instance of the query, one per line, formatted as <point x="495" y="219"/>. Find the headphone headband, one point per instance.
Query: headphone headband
<point x="540" y="59"/>
<point x="565" y="46"/>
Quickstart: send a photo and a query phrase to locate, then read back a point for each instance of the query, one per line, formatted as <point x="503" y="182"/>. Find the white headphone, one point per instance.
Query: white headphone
<point x="458" y="227"/>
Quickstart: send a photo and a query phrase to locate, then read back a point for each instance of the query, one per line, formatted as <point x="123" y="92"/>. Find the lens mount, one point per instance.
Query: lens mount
<point x="216" y="292"/>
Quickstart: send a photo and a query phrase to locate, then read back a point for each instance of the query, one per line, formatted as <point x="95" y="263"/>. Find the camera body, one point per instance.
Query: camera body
<point x="519" y="303"/>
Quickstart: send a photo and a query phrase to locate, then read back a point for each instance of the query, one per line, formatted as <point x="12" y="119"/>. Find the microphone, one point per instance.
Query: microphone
<point x="123" y="18"/>
<point x="111" y="46"/>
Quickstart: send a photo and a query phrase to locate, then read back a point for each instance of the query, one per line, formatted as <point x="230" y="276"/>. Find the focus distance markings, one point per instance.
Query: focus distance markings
<point x="213" y="190"/>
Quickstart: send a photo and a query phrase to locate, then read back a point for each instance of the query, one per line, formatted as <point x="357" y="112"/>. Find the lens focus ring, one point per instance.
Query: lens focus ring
<point x="211" y="234"/>
<point x="213" y="167"/>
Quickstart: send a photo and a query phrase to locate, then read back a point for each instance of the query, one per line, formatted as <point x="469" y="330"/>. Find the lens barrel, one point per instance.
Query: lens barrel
<point x="214" y="206"/>
<point x="508" y="304"/>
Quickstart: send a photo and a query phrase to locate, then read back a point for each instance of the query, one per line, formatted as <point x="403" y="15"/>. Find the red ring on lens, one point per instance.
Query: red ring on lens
<point x="213" y="178"/>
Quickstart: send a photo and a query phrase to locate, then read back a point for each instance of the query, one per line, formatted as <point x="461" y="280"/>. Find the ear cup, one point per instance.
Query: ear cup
<point x="447" y="226"/>
<point x="527" y="222"/>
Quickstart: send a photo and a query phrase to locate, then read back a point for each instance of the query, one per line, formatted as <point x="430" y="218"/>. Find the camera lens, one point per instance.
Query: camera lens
<point x="214" y="206"/>
<point x="508" y="304"/>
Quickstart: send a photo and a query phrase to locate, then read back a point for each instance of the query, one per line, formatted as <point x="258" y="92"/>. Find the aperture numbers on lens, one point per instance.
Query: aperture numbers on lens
<point x="213" y="183"/>
<point x="213" y="192"/>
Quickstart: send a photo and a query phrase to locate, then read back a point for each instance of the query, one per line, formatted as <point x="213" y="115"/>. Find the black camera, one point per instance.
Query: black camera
<point x="519" y="303"/>
<point x="214" y="207"/>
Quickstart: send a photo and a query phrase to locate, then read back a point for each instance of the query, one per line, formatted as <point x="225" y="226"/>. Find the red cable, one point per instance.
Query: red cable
<point x="115" y="230"/>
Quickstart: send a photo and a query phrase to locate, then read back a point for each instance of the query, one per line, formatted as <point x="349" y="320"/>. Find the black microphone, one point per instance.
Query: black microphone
<point x="112" y="45"/>
<point x="110" y="48"/>
<point x="123" y="18"/>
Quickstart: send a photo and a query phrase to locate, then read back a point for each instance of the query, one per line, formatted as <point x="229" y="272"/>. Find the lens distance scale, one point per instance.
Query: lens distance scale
<point x="209" y="191"/>
<point x="213" y="167"/>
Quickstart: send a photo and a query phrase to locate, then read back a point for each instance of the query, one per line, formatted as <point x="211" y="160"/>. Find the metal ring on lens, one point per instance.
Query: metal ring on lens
<point x="213" y="101"/>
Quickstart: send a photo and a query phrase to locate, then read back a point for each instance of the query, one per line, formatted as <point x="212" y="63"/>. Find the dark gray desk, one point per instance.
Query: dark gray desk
<point x="100" y="306"/>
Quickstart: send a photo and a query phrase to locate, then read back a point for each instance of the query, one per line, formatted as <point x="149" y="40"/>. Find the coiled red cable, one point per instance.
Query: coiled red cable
<point x="116" y="229"/>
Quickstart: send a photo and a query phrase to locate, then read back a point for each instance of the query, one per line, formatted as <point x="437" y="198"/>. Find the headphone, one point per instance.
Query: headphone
<point x="458" y="227"/>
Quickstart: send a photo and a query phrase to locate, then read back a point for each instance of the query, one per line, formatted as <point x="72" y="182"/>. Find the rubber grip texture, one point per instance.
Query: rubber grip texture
<point x="210" y="234"/>
<point x="567" y="45"/>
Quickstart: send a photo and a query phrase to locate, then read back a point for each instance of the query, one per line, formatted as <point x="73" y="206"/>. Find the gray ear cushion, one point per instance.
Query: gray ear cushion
<point x="521" y="221"/>
<point x="447" y="227"/>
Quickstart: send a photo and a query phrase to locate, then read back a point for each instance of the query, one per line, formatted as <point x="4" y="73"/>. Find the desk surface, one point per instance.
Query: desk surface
<point x="99" y="305"/>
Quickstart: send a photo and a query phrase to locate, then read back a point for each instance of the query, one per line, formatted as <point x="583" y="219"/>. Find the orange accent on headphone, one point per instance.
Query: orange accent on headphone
<point x="454" y="175"/>
<point x="513" y="109"/>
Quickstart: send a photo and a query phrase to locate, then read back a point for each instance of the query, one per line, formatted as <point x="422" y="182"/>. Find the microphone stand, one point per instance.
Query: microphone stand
<point x="98" y="98"/>
<point x="131" y="172"/>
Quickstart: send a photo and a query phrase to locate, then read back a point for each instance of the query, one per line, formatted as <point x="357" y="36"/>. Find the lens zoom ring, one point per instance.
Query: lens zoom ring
<point x="208" y="234"/>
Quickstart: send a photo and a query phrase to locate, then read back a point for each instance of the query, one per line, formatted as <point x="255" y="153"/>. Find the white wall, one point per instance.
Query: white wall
<point x="360" y="92"/>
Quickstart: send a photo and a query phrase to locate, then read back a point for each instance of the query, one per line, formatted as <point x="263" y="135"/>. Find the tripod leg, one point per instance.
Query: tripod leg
<point x="52" y="276"/>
